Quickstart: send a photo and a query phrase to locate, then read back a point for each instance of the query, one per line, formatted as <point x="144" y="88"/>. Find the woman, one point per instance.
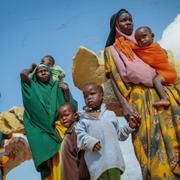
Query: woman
<point x="156" y="142"/>
<point x="41" y="97"/>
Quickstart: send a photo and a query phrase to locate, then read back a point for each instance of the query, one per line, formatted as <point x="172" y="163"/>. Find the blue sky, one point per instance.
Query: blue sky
<point x="31" y="29"/>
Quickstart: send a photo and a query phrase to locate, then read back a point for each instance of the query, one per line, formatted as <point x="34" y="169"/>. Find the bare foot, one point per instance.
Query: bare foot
<point x="162" y="102"/>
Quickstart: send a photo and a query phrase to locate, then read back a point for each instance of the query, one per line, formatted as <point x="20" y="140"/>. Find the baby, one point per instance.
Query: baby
<point x="71" y="161"/>
<point x="98" y="133"/>
<point x="57" y="72"/>
<point x="152" y="54"/>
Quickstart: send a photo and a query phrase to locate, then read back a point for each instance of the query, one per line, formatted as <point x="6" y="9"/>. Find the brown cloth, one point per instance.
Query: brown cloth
<point x="73" y="166"/>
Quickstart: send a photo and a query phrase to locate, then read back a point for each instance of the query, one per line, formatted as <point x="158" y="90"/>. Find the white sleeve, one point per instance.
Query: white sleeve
<point x="122" y="132"/>
<point x="84" y="140"/>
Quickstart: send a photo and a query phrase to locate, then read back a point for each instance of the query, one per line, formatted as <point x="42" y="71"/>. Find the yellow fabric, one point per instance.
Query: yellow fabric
<point x="3" y="162"/>
<point x="3" y="159"/>
<point x="176" y="64"/>
<point x="60" y="128"/>
<point x="156" y="143"/>
<point x="54" y="162"/>
<point x="54" y="165"/>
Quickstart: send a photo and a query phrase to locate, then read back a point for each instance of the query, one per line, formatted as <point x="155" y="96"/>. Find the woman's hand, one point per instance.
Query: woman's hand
<point x="63" y="86"/>
<point x="25" y="73"/>
<point x="129" y="111"/>
<point x="32" y="67"/>
<point x="132" y="116"/>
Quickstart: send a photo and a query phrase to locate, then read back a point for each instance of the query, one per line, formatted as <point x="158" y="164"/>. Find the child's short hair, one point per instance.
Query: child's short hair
<point x="73" y="108"/>
<point x="68" y="104"/>
<point x="99" y="87"/>
<point x="49" y="57"/>
<point x="145" y="27"/>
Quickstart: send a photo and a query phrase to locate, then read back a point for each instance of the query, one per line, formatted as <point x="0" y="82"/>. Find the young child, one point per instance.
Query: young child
<point x="98" y="133"/>
<point x="152" y="54"/>
<point x="155" y="56"/>
<point x="57" y="72"/>
<point x="71" y="161"/>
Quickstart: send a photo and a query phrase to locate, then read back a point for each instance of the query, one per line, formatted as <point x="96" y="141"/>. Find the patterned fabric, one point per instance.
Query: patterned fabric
<point x="157" y="142"/>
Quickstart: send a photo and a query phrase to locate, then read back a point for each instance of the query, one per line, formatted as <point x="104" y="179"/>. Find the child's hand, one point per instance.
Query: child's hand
<point x="133" y="123"/>
<point x="97" y="147"/>
<point x="130" y="113"/>
<point x="61" y="76"/>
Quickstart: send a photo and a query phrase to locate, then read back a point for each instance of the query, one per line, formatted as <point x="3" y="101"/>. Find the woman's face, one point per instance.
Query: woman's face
<point x="42" y="74"/>
<point x="125" y="23"/>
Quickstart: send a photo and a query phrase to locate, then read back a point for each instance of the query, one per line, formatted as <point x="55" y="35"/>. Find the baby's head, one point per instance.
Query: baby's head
<point x="48" y="60"/>
<point x="144" y="36"/>
<point x="93" y="95"/>
<point x="67" y="115"/>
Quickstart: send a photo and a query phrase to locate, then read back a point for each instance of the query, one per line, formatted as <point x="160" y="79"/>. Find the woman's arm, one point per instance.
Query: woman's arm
<point x="25" y="74"/>
<point x="66" y="91"/>
<point x="129" y="112"/>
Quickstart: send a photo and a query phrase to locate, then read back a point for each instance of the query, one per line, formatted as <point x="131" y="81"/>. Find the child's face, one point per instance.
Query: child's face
<point x="93" y="96"/>
<point x="144" y="37"/>
<point x="66" y="115"/>
<point x="48" y="62"/>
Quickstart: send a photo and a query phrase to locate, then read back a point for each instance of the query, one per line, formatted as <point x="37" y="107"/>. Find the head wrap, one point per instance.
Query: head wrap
<point x="112" y="34"/>
<point x="33" y="74"/>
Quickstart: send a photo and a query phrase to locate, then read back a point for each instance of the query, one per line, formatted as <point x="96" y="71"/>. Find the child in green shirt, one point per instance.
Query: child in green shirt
<point x="57" y="72"/>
